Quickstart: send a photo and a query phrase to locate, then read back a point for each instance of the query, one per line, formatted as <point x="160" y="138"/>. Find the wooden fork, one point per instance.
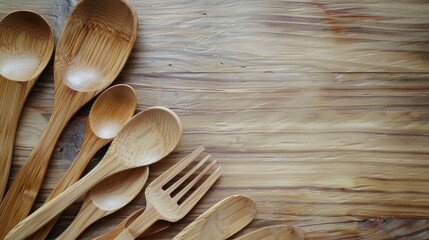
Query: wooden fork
<point x="162" y="206"/>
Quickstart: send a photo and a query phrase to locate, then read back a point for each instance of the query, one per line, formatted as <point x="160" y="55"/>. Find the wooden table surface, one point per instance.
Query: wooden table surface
<point x="318" y="110"/>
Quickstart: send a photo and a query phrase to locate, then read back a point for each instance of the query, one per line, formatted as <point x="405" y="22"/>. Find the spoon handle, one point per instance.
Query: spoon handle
<point x="12" y="98"/>
<point x="20" y="198"/>
<point x="90" y="146"/>
<point x="138" y="226"/>
<point x="87" y="215"/>
<point x="156" y="227"/>
<point x="49" y="210"/>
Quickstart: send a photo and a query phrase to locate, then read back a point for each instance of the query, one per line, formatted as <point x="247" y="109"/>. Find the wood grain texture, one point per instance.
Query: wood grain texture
<point x="317" y="110"/>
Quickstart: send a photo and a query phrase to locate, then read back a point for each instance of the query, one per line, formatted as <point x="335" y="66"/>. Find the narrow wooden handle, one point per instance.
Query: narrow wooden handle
<point x="23" y="192"/>
<point x="87" y="215"/>
<point x="20" y="198"/>
<point x="90" y="146"/>
<point x="12" y="98"/>
<point x="138" y="226"/>
<point x="113" y="233"/>
<point x="54" y="207"/>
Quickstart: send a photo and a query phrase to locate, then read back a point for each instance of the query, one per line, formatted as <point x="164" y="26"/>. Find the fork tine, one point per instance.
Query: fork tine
<point x="183" y="178"/>
<point x="193" y="182"/>
<point x="178" y="167"/>
<point x="190" y="202"/>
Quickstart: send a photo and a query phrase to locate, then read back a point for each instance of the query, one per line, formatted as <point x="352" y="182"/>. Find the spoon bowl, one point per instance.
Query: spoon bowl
<point x="107" y="197"/>
<point x="110" y="112"/>
<point x="109" y="27"/>
<point x="157" y="130"/>
<point x="26" y="45"/>
<point x="93" y="48"/>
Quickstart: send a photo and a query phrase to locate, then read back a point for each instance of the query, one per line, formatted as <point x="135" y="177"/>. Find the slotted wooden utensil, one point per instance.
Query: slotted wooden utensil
<point x="26" y="45"/>
<point x="112" y="109"/>
<point x="107" y="197"/>
<point x="222" y="220"/>
<point x="147" y="138"/>
<point x="160" y="205"/>
<point x="278" y="232"/>
<point x="92" y="50"/>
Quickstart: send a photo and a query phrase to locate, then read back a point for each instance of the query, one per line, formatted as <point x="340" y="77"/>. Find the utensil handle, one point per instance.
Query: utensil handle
<point x="90" y="146"/>
<point x="87" y="215"/>
<point x="156" y="227"/>
<point x="138" y="226"/>
<point x="23" y="192"/>
<point x="55" y="206"/>
<point x="12" y="98"/>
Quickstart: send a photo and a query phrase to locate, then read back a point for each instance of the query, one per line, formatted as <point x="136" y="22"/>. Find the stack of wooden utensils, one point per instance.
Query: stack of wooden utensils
<point x="92" y="50"/>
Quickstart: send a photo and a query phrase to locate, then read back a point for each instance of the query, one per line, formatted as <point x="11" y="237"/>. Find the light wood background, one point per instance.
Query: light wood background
<point x="318" y="110"/>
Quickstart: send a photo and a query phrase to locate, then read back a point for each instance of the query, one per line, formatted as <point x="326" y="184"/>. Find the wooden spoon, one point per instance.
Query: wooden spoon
<point x="93" y="48"/>
<point x="156" y="227"/>
<point x="26" y="45"/>
<point x="279" y="232"/>
<point x="109" y="113"/>
<point x="148" y="137"/>
<point x="107" y="197"/>
<point x="222" y="220"/>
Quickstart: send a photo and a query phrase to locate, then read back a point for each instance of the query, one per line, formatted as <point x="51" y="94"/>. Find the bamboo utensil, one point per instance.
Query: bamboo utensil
<point x="112" y="109"/>
<point x="162" y="205"/>
<point x="26" y="45"/>
<point x="106" y="198"/>
<point x="279" y="232"/>
<point x="94" y="46"/>
<point x="156" y="227"/>
<point x="148" y="137"/>
<point x="222" y="220"/>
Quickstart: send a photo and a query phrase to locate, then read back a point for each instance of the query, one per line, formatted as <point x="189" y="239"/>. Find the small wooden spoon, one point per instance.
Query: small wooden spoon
<point x="156" y="227"/>
<point x="26" y="45"/>
<point x="107" y="197"/>
<point x="94" y="46"/>
<point x="148" y="137"/>
<point x="222" y="220"/>
<point x="109" y="113"/>
<point x="279" y="232"/>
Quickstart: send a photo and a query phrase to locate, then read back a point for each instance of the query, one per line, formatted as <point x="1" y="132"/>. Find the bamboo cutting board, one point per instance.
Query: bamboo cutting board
<point x="318" y="110"/>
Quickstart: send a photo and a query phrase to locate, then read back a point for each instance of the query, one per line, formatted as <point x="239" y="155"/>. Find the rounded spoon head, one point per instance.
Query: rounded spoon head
<point x="112" y="110"/>
<point x="147" y="138"/>
<point x="119" y="189"/>
<point x="26" y="45"/>
<point x="95" y="44"/>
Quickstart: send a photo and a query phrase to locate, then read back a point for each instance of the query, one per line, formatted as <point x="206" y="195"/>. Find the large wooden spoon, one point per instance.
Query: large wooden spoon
<point x="106" y="198"/>
<point x="222" y="220"/>
<point x="148" y="137"/>
<point x="109" y="113"/>
<point x="278" y="232"/>
<point x="26" y="45"/>
<point x="93" y="48"/>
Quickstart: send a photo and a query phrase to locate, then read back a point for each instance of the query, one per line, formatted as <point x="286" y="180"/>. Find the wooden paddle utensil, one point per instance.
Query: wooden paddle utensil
<point x="222" y="220"/>
<point x="94" y="46"/>
<point x="112" y="109"/>
<point x="107" y="197"/>
<point x="26" y="45"/>
<point x="147" y="138"/>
